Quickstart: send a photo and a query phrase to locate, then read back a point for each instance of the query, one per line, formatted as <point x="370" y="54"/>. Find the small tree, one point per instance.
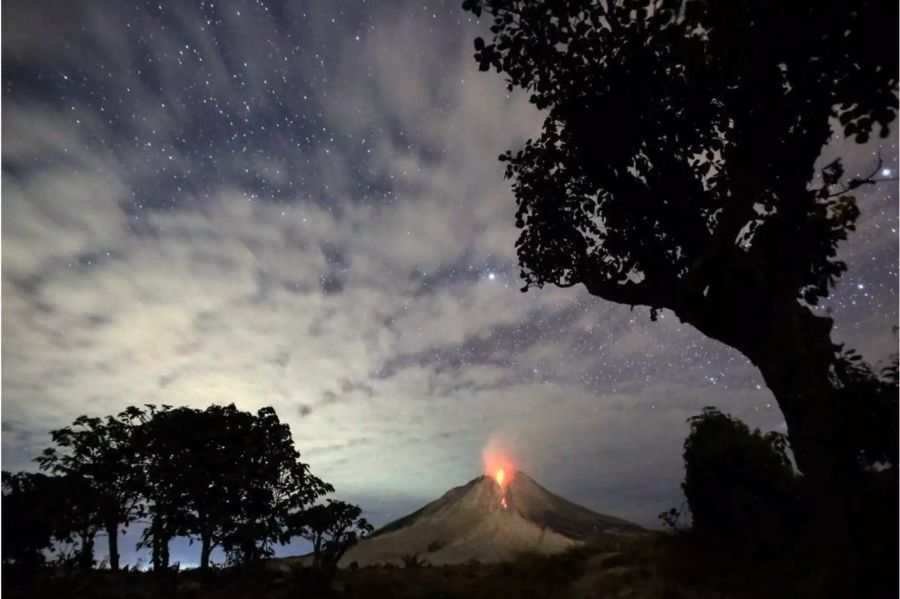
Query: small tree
<point x="79" y="518"/>
<point x="43" y="512"/>
<point x="737" y="482"/>
<point x="333" y="528"/>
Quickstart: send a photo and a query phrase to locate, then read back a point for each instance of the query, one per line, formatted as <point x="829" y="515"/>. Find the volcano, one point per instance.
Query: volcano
<point x="489" y="520"/>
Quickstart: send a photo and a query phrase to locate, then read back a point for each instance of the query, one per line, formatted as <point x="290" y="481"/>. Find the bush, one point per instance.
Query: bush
<point x="737" y="482"/>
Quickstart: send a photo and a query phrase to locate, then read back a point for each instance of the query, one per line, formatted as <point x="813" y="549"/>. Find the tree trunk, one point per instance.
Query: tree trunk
<point x="156" y="560"/>
<point x="205" y="547"/>
<point x="317" y="552"/>
<point x="155" y="544"/>
<point x="793" y="350"/>
<point x="86" y="551"/>
<point x="112" y="531"/>
<point x="164" y="552"/>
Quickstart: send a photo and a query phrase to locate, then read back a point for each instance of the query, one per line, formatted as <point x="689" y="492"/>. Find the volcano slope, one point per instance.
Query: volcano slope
<point x="486" y="522"/>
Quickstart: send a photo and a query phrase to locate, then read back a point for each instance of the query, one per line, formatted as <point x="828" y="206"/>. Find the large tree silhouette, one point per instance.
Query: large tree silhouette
<point x="164" y="451"/>
<point x="226" y="477"/>
<point x="675" y="170"/>
<point x="210" y="471"/>
<point x="274" y="484"/>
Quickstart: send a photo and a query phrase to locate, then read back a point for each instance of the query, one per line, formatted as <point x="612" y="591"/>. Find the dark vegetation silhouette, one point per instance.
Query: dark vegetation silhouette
<point x="676" y="169"/>
<point x="41" y="511"/>
<point x="332" y="528"/>
<point x="221" y="476"/>
<point x="30" y="497"/>
<point x="738" y="483"/>
<point x="750" y="526"/>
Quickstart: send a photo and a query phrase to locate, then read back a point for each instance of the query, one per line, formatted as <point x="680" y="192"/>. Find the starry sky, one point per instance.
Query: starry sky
<point x="300" y="205"/>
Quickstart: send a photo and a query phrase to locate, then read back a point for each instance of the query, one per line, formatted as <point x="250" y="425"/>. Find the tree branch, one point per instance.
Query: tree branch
<point x="854" y="183"/>
<point x="632" y="293"/>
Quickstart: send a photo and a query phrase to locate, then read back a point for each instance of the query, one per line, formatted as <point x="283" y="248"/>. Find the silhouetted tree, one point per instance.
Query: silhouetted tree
<point x="213" y="440"/>
<point x="41" y="512"/>
<point x="227" y="477"/>
<point x="101" y="453"/>
<point x="163" y="451"/>
<point x="29" y="518"/>
<point x="738" y="482"/>
<point x="333" y="528"/>
<point x="867" y="405"/>
<point x="275" y="484"/>
<point x="78" y="519"/>
<point x="675" y="170"/>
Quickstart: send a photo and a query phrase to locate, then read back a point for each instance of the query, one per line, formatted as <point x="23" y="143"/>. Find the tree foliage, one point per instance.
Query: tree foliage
<point x="162" y="451"/>
<point x="43" y="513"/>
<point x="868" y="405"/>
<point x="680" y="139"/>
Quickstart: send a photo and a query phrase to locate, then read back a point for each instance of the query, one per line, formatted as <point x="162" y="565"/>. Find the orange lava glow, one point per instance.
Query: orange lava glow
<point x="503" y="502"/>
<point x="499" y="467"/>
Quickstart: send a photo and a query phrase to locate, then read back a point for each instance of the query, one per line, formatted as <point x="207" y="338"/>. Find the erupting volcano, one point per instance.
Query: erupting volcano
<point x="491" y="518"/>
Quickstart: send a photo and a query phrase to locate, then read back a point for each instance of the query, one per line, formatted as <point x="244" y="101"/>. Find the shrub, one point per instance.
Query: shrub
<point x="737" y="481"/>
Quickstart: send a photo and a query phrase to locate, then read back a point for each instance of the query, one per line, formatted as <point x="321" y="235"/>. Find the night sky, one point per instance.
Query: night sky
<point x="301" y="206"/>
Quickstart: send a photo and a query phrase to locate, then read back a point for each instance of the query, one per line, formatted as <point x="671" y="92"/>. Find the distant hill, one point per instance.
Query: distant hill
<point x="486" y="522"/>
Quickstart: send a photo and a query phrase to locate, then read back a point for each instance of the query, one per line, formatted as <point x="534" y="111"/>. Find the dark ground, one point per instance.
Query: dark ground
<point x="662" y="566"/>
